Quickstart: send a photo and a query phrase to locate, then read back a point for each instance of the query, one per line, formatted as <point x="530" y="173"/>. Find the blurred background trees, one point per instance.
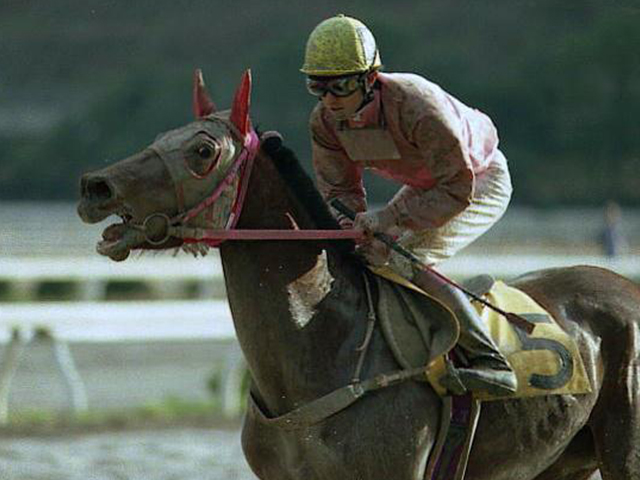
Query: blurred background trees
<point x="84" y="84"/>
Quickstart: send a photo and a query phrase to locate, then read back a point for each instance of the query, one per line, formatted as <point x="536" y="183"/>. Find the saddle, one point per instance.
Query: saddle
<point x="421" y="332"/>
<point x="417" y="328"/>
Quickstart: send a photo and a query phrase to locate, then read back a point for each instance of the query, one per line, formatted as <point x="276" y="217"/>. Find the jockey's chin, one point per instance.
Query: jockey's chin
<point x="340" y="114"/>
<point x="343" y="108"/>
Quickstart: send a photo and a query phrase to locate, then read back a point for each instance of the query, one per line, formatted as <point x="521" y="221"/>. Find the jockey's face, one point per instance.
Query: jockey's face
<point x="342" y="96"/>
<point x="343" y="107"/>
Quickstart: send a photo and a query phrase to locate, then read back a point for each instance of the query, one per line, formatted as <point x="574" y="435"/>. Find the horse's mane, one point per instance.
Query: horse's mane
<point x="303" y="188"/>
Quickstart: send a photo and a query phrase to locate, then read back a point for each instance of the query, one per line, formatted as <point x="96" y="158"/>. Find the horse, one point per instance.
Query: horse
<point x="300" y="311"/>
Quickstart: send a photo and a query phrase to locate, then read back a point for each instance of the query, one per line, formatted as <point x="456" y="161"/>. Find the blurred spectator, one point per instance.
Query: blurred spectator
<point x="612" y="237"/>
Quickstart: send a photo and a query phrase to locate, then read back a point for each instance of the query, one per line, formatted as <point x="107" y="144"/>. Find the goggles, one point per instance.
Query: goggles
<point x="339" y="87"/>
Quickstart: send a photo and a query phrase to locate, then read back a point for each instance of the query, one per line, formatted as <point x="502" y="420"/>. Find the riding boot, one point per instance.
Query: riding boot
<point x="488" y="369"/>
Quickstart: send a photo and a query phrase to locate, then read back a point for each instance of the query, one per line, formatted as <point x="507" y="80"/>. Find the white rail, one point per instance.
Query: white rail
<point x="60" y="323"/>
<point x="184" y="268"/>
<point x="93" y="274"/>
<point x="89" y="268"/>
<point x="121" y="321"/>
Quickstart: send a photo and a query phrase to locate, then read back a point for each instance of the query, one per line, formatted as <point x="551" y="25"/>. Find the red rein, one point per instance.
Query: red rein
<point x="206" y="235"/>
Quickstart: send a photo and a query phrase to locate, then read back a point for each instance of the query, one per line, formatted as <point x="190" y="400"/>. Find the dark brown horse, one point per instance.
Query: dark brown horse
<point x="300" y="312"/>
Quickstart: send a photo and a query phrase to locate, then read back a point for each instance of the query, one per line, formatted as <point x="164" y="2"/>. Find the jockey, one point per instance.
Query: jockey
<point x="455" y="180"/>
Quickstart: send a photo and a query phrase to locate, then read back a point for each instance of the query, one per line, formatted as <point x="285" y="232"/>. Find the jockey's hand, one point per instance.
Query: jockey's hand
<point x="345" y="222"/>
<point x="374" y="251"/>
<point x="374" y="222"/>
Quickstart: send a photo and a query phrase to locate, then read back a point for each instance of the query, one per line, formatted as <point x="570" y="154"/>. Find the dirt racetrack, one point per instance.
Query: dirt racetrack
<point x="182" y="454"/>
<point x="171" y="454"/>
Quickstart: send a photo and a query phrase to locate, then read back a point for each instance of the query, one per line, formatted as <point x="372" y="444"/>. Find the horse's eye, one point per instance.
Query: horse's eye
<point x="202" y="161"/>
<point x="205" y="152"/>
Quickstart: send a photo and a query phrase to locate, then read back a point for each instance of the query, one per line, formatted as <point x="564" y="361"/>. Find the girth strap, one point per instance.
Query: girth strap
<point x="334" y="402"/>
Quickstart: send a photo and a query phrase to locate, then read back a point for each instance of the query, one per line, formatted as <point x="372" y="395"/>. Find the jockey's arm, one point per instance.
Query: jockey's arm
<point x="419" y="208"/>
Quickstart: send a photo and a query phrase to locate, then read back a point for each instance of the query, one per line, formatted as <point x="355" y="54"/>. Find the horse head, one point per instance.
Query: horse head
<point x="190" y="174"/>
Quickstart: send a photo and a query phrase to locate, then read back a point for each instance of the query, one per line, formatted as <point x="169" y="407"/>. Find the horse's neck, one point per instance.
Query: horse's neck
<point x="298" y="313"/>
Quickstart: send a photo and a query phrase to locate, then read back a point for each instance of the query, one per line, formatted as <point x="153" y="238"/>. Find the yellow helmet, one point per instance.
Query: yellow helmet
<point x="340" y="45"/>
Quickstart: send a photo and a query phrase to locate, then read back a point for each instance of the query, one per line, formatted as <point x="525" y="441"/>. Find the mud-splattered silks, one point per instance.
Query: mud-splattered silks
<point x="455" y="181"/>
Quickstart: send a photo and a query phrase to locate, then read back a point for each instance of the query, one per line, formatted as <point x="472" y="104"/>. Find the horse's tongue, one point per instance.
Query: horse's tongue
<point x="118" y="240"/>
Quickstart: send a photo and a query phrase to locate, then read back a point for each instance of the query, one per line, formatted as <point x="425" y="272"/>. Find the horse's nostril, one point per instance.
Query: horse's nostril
<point x="97" y="189"/>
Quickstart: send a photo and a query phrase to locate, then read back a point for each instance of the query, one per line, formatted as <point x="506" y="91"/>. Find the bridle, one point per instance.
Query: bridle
<point x="176" y="226"/>
<point x="240" y="172"/>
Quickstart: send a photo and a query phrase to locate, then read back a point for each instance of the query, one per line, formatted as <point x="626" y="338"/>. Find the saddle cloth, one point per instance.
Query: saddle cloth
<point x="421" y="331"/>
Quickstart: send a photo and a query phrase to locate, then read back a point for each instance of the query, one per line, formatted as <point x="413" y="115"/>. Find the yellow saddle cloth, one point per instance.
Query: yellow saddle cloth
<point x="546" y="362"/>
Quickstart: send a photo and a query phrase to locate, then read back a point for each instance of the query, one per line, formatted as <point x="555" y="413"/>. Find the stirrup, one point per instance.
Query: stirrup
<point x="451" y="380"/>
<point x="459" y="381"/>
<point x="495" y="382"/>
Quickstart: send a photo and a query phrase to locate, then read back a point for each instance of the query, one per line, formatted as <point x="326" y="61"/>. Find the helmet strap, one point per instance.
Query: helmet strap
<point x="367" y="90"/>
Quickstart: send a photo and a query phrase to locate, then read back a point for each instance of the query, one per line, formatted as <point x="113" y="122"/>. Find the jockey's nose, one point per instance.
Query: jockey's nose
<point x="330" y="98"/>
<point x="96" y="188"/>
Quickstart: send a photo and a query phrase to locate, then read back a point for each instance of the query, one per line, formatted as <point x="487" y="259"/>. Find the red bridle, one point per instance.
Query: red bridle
<point x="243" y="165"/>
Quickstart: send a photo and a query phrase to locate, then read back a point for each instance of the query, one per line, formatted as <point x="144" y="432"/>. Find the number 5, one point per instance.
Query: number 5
<point x="546" y="382"/>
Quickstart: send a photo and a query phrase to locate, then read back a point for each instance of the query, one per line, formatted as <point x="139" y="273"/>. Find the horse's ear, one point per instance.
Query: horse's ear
<point x="240" y="108"/>
<point x="202" y="103"/>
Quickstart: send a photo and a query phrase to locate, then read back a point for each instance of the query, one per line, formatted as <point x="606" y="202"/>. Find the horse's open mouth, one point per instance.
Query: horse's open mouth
<point x="119" y="239"/>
